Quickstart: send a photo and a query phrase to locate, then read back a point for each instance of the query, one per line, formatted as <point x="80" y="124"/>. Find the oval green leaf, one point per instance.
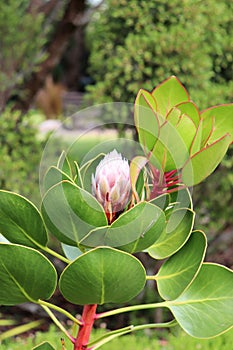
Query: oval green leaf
<point x="168" y="94"/>
<point x="64" y="165"/>
<point x="71" y="252"/>
<point x="146" y="120"/>
<point x="102" y="275"/>
<point x="53" y="176"/>
<point x="20" y="221"/>
<point x="170" y="151"/>
<point x="203" y="163"/>
<point x="136" y="165"/>
<point x="223" y="124"/>
<point x="179" y="270"/>
<point x="204" y="310"/>
<point x="25" y="275"/>
<point x="133" y="231"/>
<point x="181" y="199"/>
<point x="161" y="201"/>
<point x="70" y="212"/>
<point x="176" y="233"/>
<point x="190" y="109"/>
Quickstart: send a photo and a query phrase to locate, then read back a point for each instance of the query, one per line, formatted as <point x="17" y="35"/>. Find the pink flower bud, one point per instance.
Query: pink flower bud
<point x="111" y="184"/>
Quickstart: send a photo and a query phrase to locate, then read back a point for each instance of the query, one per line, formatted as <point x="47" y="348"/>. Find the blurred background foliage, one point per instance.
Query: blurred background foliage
<point x="138" y="43"/>
<point x="20" y="153"/>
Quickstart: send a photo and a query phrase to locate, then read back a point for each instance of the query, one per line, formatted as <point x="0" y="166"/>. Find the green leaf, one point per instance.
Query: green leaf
<point x="203" y="163"/>
<point x="53" y="176"/>
<point x="70" y="212"/>
<point x="64" y="165"/>
<point x="191" y="110"/>
<point x="197" y="140"/>
<point x="161" y="201"/>
<point x="181" y="199"/>
<point x="133" y="231"/>
<point x="78" y="178"/>
<point x="176" y="233"/>
<point x="136" y="165"/>
<point x="20" y="221"/>
<point x="25" y="275"/>
<point x="223" y="116"/>
<point x="168" y="94"/>
<point x="147" y="238"/>
<point x="204" y="309"/>
<point x="206" y="130"/>
<point x="170" y="151"/>
<point x="44" y="346"/>
<point x="102" y="275"/>
<point x="184" y="125"/>
<point x="146" y="120"/>
<point x="179" y="270"/>
<point x="71" y="252"/>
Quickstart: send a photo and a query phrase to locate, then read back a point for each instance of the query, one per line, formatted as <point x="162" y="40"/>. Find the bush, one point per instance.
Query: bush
<point x="139" y="43"/>
<point x="20" y="153"/>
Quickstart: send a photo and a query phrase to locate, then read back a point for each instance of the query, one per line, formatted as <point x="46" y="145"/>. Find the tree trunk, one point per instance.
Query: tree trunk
<point x="72" y="18"/>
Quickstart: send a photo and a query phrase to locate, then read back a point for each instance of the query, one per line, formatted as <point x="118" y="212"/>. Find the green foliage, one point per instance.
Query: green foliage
<point x="23" y="35"/>
<point x="181" y="267"/>
<point x="139" y="42"/>
<point x="176" y="233"/>
<point x="20" y="153"/>
<point x="108" y="281"/>
<point x="185" y="139"/>
<point x="194" y="310"/>
<point x="18" y="265"/>
<point x="177" y="340"/>
<point x="24" y="225"/>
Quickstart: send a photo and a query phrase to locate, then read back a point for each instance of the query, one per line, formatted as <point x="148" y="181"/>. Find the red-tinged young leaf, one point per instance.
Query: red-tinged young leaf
<point x="170" y="151"/>
<point x="223" y="120"/>
<point x="196" y="142"/>
<point x="145" y="99"/>
<point x="207" y="130"/>
<point x="168" y="94"/>
<point x="190" y="109"/>
<point x="203" y="163"/>
<point x="146" y="120"/>
<point x="184" y="125"/>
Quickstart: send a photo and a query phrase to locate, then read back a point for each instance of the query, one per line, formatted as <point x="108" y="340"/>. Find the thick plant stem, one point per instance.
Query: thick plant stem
<point x="88" y="318"/>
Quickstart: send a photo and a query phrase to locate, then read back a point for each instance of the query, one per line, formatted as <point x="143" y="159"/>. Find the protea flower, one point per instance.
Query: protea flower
<point x="111" y="184"/>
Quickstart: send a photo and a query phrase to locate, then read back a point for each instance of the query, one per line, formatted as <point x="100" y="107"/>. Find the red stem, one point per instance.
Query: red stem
<point x="88" y="318"/>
